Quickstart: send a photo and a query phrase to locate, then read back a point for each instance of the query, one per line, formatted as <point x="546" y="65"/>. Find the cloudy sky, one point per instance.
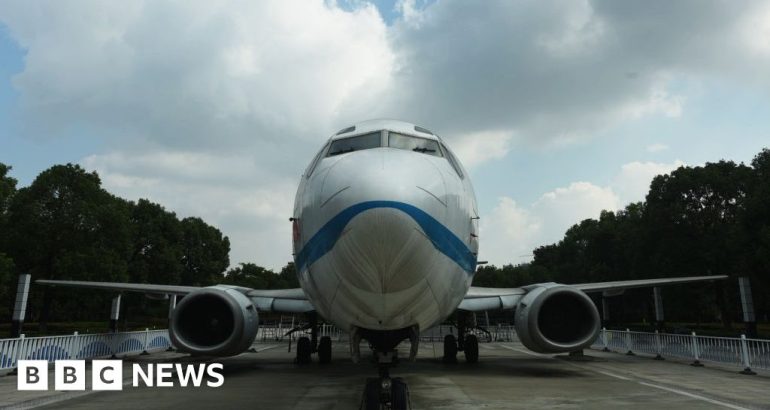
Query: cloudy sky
<point x="559" y="108"/>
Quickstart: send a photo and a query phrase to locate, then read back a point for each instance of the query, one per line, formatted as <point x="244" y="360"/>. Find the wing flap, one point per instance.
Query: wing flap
<point x="121" y="287"/>
<point x="266" y="300"/>
<point x="642" y="283"/>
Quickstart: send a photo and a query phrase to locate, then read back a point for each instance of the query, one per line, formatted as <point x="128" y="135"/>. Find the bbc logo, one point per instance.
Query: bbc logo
<point x="108" y="375"/>
<point x="70" y="375"/>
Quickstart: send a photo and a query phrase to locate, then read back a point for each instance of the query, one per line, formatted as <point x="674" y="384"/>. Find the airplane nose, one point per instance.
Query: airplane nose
<point x="383" y="174"/>
<point x="382" y="243"/>
<point x="383" y="256"/>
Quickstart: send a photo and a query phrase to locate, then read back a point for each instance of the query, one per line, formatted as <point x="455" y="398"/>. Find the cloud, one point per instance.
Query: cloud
<point x="633" y="181"/>
<point x="214" y="108"/>
<point x="511" y="232"/>
<point x="231" y="192"/>
<point x="657" y="147"/>
<point x="556" y="72"/>
<point x="478" y="147"/>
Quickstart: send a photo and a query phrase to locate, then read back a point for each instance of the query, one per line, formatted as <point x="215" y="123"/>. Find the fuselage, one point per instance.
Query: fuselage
<point x="385" y="228"/>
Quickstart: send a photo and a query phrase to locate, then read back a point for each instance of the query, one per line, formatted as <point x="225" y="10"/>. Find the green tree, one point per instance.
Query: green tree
<point x="157" y="252"/>
<point x="205" y="253"/>
<point x="252" y="276"/>
<point x="694" y="213"/>
<point x="7" y="191"/>
<point x="65" y="226"/>
<point x="756" y="222"/>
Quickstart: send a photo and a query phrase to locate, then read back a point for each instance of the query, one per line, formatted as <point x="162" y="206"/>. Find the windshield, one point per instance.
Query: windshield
<point x="408" y="142"/>
<point x="357" y="143"/>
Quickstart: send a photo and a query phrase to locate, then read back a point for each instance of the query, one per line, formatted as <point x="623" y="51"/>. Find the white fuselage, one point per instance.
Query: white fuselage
<point x="385" y="238"/>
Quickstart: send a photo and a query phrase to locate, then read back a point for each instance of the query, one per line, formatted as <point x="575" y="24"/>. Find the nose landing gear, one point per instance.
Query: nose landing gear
<point x="385" y="392"/>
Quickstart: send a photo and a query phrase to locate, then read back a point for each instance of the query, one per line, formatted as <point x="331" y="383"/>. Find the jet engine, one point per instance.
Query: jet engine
<point x="555" y="318"/>
<point x="214" y="321"/>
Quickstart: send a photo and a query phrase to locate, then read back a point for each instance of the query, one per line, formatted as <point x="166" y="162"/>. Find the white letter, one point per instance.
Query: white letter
<point x="137" y="372"/>
<point x="107" y="375"/>
<point x="189" y="373"/>
<point x="213" y="374"/>
<point x="33" y="375"/>
<point x="70" y="375"/>
<point x="164" y="372"/>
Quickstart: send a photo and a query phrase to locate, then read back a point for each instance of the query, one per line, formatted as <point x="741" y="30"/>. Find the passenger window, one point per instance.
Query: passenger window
<point x="416" y="144"/>
<point x="453" y="161"/>
<point x="357" y="143"/>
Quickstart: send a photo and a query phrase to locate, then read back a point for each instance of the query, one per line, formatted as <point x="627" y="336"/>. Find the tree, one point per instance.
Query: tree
<point x="7" y="190"/>
<point x="205" y="255"/>
<point x="157" y="247"/>
<point x="252" y="276"/>
<point x="756" y="223"/>
<point x="65" y="226"/>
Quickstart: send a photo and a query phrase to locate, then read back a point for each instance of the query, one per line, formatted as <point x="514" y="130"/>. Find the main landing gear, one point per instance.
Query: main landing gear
<point x="465" y="342"/>
<point x="307" y="346"/>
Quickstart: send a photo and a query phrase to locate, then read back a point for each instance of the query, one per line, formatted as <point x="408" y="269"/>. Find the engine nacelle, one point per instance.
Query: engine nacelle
<point x="554" y="318"/>
<point x="214" y="321"/>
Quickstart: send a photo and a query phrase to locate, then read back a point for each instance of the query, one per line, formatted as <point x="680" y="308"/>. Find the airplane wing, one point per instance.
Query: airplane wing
<point x="266" y="300"/>
<point x="479" y="298"/>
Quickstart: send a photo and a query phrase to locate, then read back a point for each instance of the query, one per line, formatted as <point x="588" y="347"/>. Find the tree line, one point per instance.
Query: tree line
<point x="64" y="225"/>
<point x="703" y="220"/>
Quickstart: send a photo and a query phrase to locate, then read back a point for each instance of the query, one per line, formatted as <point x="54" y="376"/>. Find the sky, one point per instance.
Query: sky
<point x="559" y="109"/>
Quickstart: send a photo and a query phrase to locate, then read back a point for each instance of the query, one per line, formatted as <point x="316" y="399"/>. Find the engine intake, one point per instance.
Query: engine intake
<point x="214" y="321"/>
<point x="554" y="318"/>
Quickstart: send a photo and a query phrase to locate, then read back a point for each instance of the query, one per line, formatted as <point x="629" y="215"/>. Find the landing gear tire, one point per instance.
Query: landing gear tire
<point x="304" y="350"/>
<point x="372" y="394"/>
<point x="399" y="394"/>
<point x="471" y="349"/>
<point x="386" y="394"/>
<point x="450" y="349"/>
<point x="325" y="350"/>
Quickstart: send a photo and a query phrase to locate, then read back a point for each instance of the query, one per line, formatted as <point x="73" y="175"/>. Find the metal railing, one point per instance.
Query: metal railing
<point x="743" y="352"/>
<point x="77" y="346"/>
<point x="498" y="333"/>
<point x="277" y="333"/>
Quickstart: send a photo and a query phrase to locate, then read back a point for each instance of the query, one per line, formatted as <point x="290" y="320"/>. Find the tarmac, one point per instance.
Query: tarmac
<point x="507" y="377"/>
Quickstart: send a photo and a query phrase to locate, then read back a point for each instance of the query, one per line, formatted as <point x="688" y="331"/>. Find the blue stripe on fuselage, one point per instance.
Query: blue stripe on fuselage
<point x="442" y="238"/>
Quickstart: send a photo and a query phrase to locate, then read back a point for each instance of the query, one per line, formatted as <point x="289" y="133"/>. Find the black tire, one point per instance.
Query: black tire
<point x="399" y="394"/>
<point x="325" y="350"/>
<point x="372" y="394"/>
<point x="471" y="349"/>
<point x="450" y="349"/>
<point x="303" y="350"/>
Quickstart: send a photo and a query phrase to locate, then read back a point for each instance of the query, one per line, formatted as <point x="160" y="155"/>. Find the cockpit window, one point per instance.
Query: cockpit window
<point x="311" y="167"/>
<point x="416" y="144"/>
<point x="357" y="143"/>
<point x="453" y="161"/>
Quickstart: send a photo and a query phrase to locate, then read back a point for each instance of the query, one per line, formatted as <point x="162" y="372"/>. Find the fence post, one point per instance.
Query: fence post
<point x="628" y="342"/>
<point x="75" y="345"/>
<point x="15" y="358"/>
<point x="604" y="339"/>
<point x="745" y="354"/>
<point x="657" y="346"/>
<point x="695" y="353"/>
<point x="146" y="335"/>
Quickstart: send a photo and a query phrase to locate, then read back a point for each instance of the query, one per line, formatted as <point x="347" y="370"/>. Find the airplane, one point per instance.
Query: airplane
<point x="385" y="238"/>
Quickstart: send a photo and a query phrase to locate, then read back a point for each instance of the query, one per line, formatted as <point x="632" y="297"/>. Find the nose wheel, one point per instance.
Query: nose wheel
<point x="385" y="392"/>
